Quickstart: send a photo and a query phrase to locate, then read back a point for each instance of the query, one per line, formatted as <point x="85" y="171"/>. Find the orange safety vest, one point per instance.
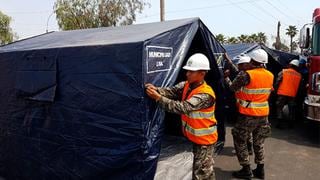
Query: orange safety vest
<point x="252" y="99"/>
<point x="290" y="83"/>
<point x="200" y="126"/>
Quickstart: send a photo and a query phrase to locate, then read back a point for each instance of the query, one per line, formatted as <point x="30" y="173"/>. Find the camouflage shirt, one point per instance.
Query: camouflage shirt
<point x="241" y="80"/>
<point x="171" y="100"/>
<point x="279" y="79"/>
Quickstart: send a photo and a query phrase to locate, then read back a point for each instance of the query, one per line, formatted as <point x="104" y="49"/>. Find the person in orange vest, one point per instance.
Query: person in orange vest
<point x="243" y="64"/>
<point x="253" y="88"/>
<point x="194" y="99"/>
<point x="287" y="86"/>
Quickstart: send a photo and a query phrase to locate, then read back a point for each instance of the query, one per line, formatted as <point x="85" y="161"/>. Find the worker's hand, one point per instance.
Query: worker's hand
<point x="226" y="73"/>
<point x="226" y="57"/>
<point x="153" y="94"/>
<point x="150" y="86"/>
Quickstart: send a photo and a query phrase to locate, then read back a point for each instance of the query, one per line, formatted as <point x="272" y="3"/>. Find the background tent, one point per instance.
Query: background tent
<point x="73" y="104"/>
<point x="277" y="59"/>
<point x="234" y="50"/>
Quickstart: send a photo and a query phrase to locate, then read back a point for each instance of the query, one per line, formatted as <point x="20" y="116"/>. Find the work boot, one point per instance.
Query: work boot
<point x="244" y="173"/>
<point x="259" y="171"/>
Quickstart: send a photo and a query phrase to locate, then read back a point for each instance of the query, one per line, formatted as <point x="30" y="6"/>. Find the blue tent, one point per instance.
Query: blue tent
<point x="281" y="57"/>
<point x="234" y="50"/>
<point x="73" y="103"/>
<point x="277" y="59"/>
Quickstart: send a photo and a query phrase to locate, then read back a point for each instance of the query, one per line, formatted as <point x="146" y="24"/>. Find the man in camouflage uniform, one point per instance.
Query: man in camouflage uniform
<point x="243" y="64"/>
<point x="287" y="89"/>
<point x="247" y="124"/>
<point x="171" y="100"/>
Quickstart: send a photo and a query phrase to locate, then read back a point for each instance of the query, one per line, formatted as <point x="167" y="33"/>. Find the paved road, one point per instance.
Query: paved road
<point x="292" y="154"/>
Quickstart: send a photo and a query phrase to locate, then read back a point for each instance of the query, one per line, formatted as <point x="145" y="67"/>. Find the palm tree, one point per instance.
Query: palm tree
<point x="221" y="38"/>
<point x="282" y="46"/>
<point x="243" y="38"/>
<point x="261" y="37"/>
<point x="292" y="32"/>
<point x="253" y="38"/>
<point x="232" y="40"/>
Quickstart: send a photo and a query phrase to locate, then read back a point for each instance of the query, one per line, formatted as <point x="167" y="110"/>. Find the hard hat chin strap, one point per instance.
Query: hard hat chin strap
<point x="256" y="63"/>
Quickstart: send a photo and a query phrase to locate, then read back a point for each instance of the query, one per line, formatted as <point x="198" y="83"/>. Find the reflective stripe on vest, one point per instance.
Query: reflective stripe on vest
<point x="290" y="83"/>
<point x="252" y="99"/>
<point x="257" y="91"/>
<point x="200" y="126"/>
<point x="201" y="115"/>
<point x="199" y="132"/>
<point x="247" y="104"/>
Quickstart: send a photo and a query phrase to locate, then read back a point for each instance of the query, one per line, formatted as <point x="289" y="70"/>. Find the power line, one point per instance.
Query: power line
<point x="269" y="14"/>
<point x="266" y="12"/>
<point x="252" y="15"/>
<point x="201" y="8"/>
<point x="218" y="5"/>
<point x="284" y="5"/>
<point x="278" y="10"/>
<point x="213" y="6"/>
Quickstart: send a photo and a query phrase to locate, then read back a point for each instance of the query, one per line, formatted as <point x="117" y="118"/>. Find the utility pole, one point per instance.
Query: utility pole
<point x="47" y="27"/>
<point x="278" y="42"/>
<point x="161" y="10"/>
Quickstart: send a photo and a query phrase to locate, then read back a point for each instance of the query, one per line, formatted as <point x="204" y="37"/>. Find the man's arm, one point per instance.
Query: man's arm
<point x="241" y="80"/>
<point x="278" y="81"/>
<point x="233" y="68"/>
<point x="174" y="92"/>
<point x="196" y="102"/>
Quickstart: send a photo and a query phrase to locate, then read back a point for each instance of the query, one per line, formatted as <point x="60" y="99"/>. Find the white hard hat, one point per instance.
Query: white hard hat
<point x="295" y="62"/>
<point x="197" y="62"/>
<point x="242" y="58"/>
<point x="259" y="55"/>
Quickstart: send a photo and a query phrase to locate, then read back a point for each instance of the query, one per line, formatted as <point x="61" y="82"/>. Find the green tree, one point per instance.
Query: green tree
<point x="232" y="40"/>
<point x="292" y="31"/>
<point x="294" y="45"/>
<point x="82" y="14"/>
<point x="261" y="37"/>
<point x="221" y="38"/>
<point x="243" y="38"/>
<point x="283" y="47"/>
<point x="6" y="33"/>
<point x="252" y="38"/>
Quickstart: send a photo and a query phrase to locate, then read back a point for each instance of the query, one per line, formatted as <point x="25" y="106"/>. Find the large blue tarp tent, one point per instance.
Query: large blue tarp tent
<point x="73" y="103"/>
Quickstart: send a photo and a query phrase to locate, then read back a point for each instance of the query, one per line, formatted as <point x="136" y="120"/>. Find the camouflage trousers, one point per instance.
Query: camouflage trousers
<point x="203" y="162"/>
<point x="281" y="102"/>
<point x="250" y="142"/>
<point x="260" y="129"/>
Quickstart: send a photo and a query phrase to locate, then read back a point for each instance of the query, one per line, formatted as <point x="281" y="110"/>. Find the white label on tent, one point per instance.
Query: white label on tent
<point x="158" y="59"/>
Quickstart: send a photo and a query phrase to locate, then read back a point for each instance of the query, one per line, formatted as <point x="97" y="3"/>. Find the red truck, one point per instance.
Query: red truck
<point x="310" y="41"/>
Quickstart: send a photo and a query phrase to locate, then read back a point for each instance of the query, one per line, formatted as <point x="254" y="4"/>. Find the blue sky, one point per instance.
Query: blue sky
<point x="229" y="17"/>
